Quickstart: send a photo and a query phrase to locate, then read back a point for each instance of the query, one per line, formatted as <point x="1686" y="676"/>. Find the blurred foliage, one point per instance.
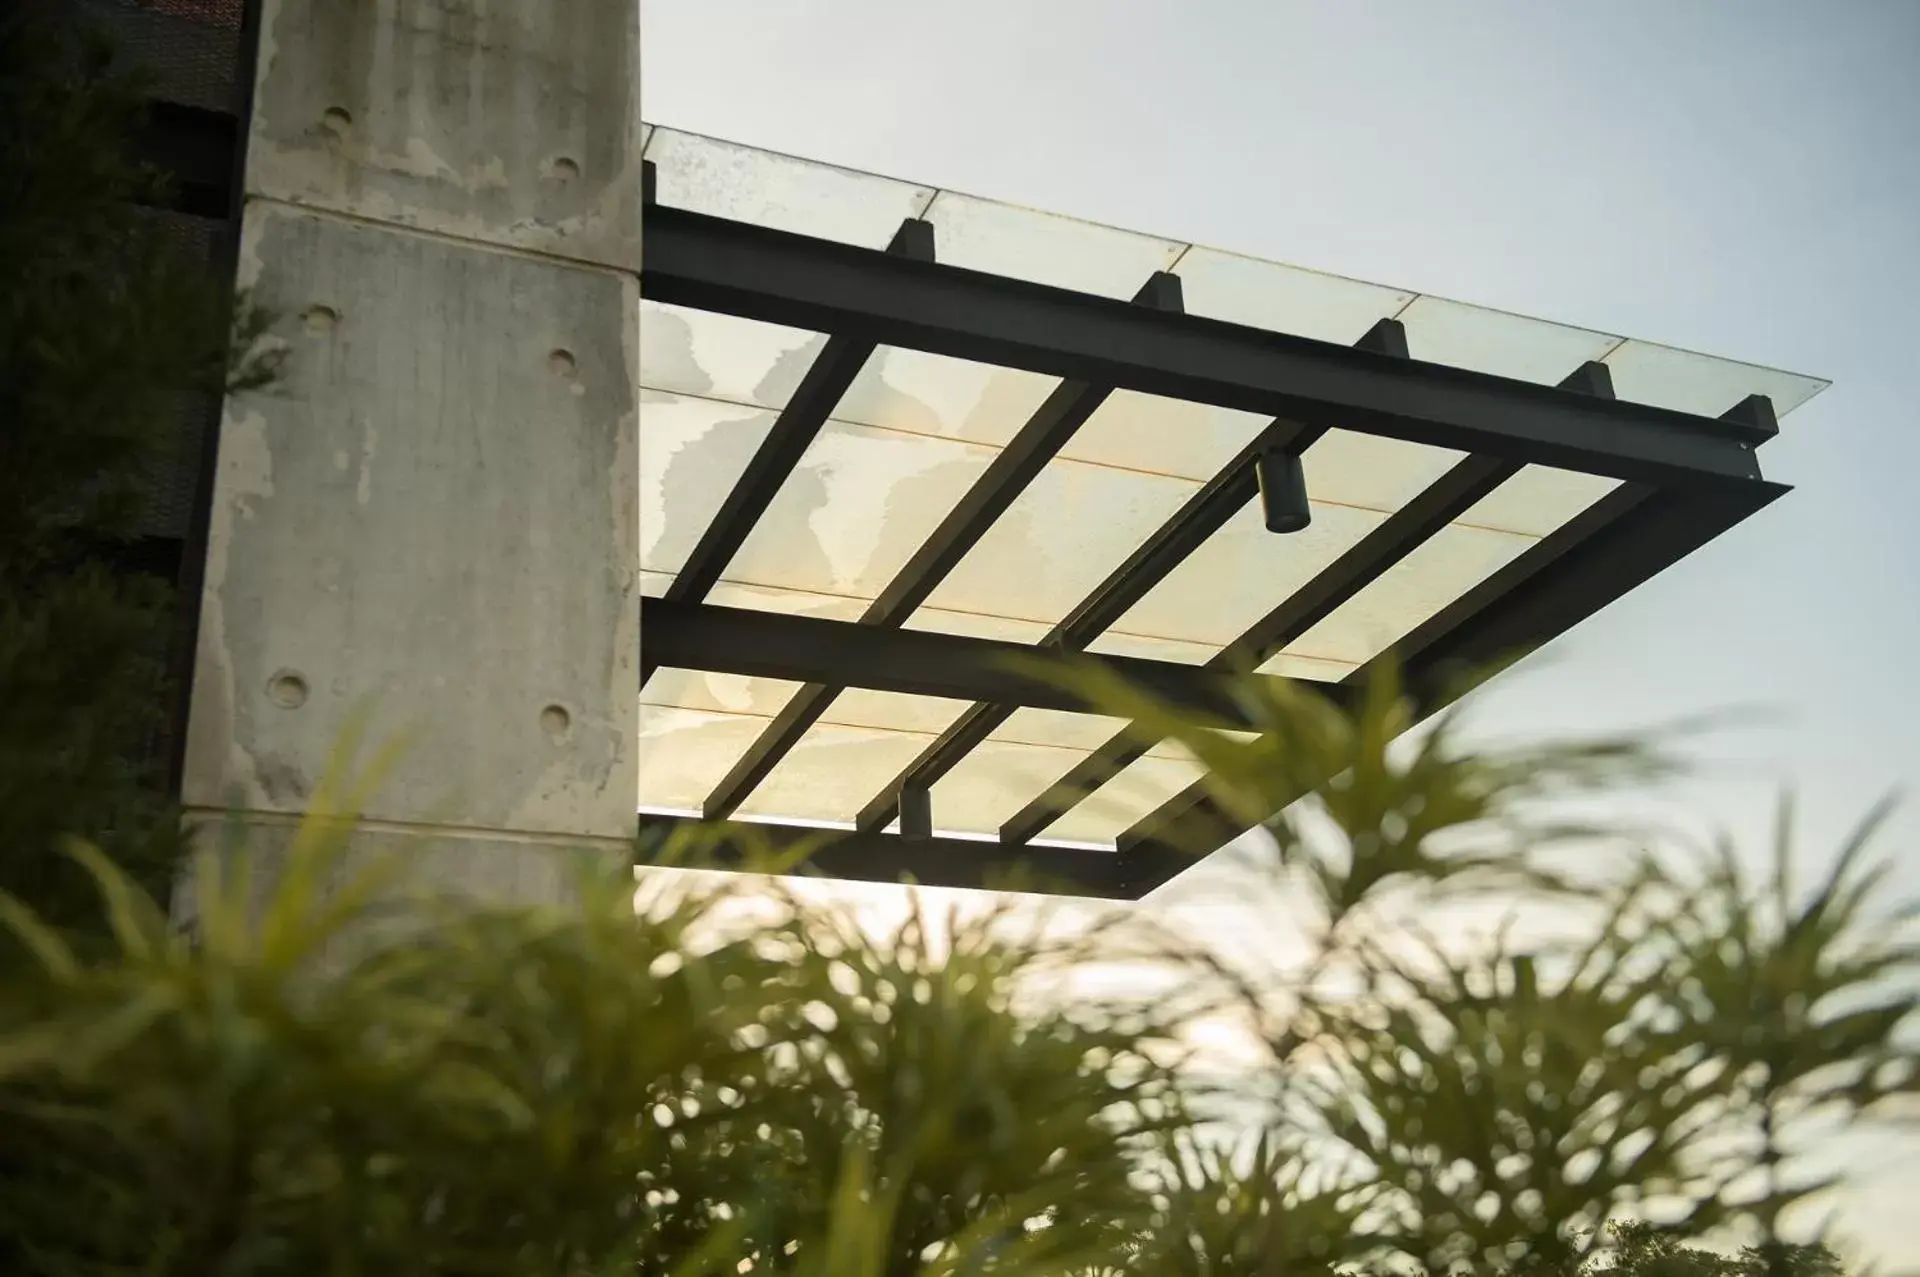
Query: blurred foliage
<point x="330" y="1072"/>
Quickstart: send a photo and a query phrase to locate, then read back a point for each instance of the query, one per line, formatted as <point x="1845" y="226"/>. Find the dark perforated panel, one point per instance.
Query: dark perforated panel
<point x="191" y="50"/>
<point x="191" y="47"/>
<point x="175" y="478"/>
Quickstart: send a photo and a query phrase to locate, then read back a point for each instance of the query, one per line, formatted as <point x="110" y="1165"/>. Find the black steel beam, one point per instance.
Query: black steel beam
<point x="1117" y="753"/>
<point x="932" y="861"/>
<point x="1443" y="501"/>
<point x="1446" y="499"/>
<point x="1204" y="513"/>
<point x="1006" y="477"/>
<point x="1614" y="546"/>
<point x="775" y="741"/>
<point x="715" y="264"/>
<point x="816" y="651"/>
<point x="833" y="370"/>
<point x="1461" y="488"/>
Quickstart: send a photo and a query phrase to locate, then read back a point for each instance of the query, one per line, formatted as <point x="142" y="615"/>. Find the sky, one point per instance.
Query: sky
<point x="1740" y="177"/>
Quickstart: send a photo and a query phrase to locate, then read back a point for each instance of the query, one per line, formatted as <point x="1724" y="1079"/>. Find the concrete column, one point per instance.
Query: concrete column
<point x="432" y="516"/>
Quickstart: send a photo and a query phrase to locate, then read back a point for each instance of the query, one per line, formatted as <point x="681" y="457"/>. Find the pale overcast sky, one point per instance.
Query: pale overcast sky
<point x="1740" y="177"/>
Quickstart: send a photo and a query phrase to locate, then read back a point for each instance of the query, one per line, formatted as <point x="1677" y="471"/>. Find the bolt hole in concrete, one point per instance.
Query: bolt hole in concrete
<point x="556" y="722"/>
<point x="563" y="169"/>
<point x="336" y="119"/>
<point x="563" y="364"/>
<point x="319" y="320"/>
<point x="287" y="690"/>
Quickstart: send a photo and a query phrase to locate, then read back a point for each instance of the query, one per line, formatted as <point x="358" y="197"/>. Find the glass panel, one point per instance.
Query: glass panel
<point x="1349" y="468"/>
<point x="926" y="716"/>
<point x="696" y="352"/>
<point x="1005" y="239"/>
<point x="994" y="782"/>
<point x="845" y="607"/>
<point x="1538" y="500"/>
<point x="1004" y="629"/>
<point x="912" y="391"/>
<point x="832" y="773"/>
<point x="692" y="451"/>
<point x="1285" y="299"/>
<point x="1117" y="642"/>
<point x="1063" y="729"/>
<point x="1074" y="524"/>
<point x="1671" y="378"/>
<point x="1163" y="436"/>
<point x="1058" y="728"/>
<point x="1242" y="573"/>
<point x="832" y="607"/>
<point x="949" y="398"/>
<point x="856" y="508"/>
<point x="684" y="753"/>
<point x="1309" y="669"/>
<point x="1436" y="573"/>
<point x="717" y="693"/>
<point x="765" y="697"/>
<point x="1492" y="341"/>
<point x="1114" y="808"/>
<point x="726" y="179"/>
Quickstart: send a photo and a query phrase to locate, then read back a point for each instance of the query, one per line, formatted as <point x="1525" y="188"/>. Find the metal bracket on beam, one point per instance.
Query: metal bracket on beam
<point x="916" y="811"/>
<point x="1162" y="291"/>
<point x="1755" y="412"/>
<point x="1386" y="337"/>
<point x="913" y="241"/>
<point x="1591" y="378"/>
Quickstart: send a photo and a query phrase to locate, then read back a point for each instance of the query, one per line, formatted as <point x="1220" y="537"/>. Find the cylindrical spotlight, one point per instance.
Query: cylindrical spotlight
<point x="1283" y="491"/>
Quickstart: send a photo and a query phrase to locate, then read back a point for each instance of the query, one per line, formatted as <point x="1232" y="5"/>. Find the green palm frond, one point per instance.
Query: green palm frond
<point x="1416" y="813"/>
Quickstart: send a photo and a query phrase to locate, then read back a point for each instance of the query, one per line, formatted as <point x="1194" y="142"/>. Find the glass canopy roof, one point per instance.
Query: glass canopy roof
<point x="916" y="431"/>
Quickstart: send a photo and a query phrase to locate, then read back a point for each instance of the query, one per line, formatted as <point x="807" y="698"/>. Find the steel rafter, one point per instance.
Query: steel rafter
<point x="756" y="272"/>
<point x="1005" y="478"/>
<point x="833" y="370"/>
<point x="1686" y="479"/>
<point x="1203" y="514"/>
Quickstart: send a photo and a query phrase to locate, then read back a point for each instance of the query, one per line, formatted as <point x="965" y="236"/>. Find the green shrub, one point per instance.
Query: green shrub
<point x="724" y="1078"/>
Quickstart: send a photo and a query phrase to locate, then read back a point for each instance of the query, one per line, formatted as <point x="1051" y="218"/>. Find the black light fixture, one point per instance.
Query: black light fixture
<point x="1283" y="491"/>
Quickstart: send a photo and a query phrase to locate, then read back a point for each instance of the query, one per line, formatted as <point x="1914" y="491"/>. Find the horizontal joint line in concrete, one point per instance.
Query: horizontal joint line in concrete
<point x="460" y="241"/>
<point x="417" y="828"/>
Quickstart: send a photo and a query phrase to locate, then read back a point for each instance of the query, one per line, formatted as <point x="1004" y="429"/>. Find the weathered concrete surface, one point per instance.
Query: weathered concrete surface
<point x="433" y="516"/>
<point x="451" y="864"/>
<point x="434" y="512"/>
<point x="516" y="122"/>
